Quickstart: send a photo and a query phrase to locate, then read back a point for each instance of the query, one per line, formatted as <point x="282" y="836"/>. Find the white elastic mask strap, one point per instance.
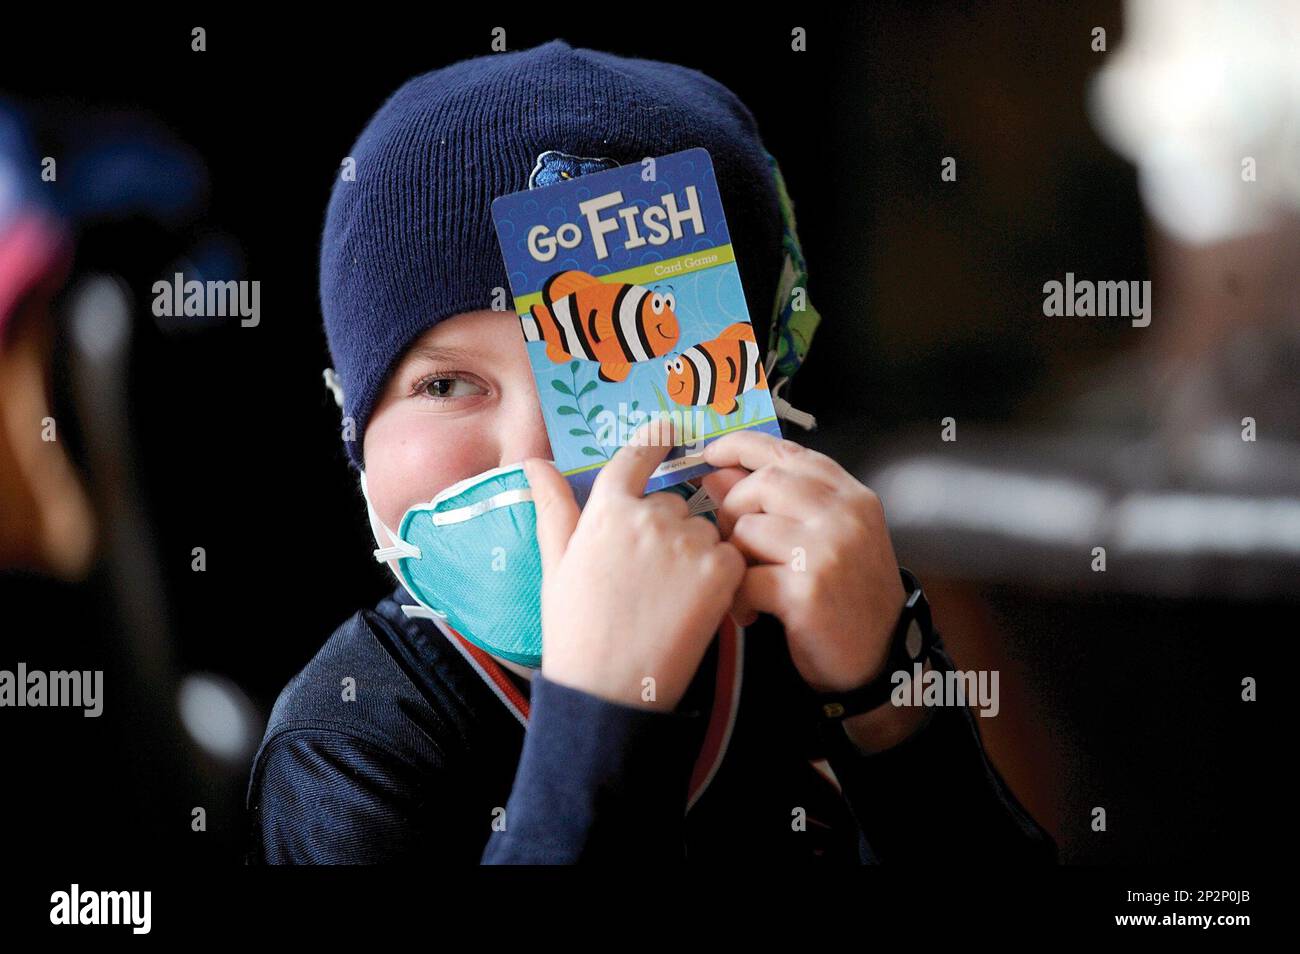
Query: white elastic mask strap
<point x="422" y="612"/>
<point x="505" y="498"/>
<point x="784" y="409"/>
<point x="400" y="548"/>
<point x="334" y="387"/>
<point x="701" y="502"/>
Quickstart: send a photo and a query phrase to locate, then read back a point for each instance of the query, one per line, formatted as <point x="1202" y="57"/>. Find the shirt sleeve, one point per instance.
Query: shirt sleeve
<point x="319" y="796"/>
<point x="597" y="781"/>
<point x="936" y="796"/>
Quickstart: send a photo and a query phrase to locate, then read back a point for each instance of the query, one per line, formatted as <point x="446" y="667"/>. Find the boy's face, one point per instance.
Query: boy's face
<point x="462" y="400"/>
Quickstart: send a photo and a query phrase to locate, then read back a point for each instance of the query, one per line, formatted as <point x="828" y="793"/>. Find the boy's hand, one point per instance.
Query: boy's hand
<point x="632" y="585"/>
<point x="819" y="552"/>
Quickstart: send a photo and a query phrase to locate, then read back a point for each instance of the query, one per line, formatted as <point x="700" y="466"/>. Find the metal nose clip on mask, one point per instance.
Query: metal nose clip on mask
<point x="470" y="557"/>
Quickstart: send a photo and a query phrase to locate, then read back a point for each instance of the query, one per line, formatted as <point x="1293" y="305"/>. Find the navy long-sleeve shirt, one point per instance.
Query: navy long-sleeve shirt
<point x="391" y="746"/>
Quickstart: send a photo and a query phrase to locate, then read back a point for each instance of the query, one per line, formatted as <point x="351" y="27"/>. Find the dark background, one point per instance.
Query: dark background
<point x="931" y="300"/>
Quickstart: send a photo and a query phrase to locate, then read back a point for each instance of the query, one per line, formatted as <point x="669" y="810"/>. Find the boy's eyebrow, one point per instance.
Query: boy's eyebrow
<point x="442" y="353"/>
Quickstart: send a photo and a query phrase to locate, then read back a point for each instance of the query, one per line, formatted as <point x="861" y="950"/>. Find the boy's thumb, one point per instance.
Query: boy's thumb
<point x="557" y="509"/>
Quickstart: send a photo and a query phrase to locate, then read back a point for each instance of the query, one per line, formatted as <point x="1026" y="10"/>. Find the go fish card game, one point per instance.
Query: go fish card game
<point x="631" y="305"/>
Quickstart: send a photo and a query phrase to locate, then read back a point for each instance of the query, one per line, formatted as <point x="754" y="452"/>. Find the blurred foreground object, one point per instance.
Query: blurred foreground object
<point x="46" y="523"/>
<point x="1204" y="98"/>
<point x="173" y="745"/>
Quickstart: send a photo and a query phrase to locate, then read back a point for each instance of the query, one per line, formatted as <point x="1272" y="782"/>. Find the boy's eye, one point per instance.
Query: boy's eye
<point x="442" y="387"/>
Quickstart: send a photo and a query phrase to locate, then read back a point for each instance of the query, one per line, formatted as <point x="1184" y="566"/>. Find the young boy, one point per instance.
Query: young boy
<point x="403" y="740"/>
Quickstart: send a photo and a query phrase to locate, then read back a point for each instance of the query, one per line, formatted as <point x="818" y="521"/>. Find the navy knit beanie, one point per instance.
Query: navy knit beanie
<point x="409" y="241"/>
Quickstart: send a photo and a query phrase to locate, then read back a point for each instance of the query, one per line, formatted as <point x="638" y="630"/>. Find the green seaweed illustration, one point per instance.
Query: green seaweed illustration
<point x="588" y="415"/>
<point x="585" y="415"/>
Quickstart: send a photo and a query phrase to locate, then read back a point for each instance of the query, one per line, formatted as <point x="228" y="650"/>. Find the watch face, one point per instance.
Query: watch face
<point x="915" y="640"/>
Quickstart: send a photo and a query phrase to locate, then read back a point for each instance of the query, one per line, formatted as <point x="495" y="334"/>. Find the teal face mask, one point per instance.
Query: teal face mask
<point x="470" y="558"/>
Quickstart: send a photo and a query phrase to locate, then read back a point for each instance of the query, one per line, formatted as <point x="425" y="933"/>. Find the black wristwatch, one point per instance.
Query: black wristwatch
<point x="912" y="641"/>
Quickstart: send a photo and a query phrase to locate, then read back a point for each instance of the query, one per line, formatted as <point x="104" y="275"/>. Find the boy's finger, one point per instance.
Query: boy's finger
<point x="777" y="490"/>
<point x="719" y="483"/>
<point x="630" y="468"/>
<point x="769" y="538"/>
<point x="759" y="592"/>
<point x="754" y="449"/>
<point x="557" y="509"/>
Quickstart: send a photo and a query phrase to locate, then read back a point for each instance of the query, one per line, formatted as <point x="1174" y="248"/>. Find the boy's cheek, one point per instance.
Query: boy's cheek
<point x="400" y="465"/>
<point x="406" y="466"/>
<point x="396" y="483"/>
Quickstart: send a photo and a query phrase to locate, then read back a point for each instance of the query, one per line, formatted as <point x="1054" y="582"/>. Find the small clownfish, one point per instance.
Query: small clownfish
<point x="716" y="372"/>
<point x="614" y="323"/>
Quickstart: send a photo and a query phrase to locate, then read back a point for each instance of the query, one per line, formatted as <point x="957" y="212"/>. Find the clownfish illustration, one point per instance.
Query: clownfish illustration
<point x="614" y="323"/>
<point x="716" y="372"/>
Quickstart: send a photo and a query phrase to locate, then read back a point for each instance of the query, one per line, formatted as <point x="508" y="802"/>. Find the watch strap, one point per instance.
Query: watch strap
<point x="911" y="642"/>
